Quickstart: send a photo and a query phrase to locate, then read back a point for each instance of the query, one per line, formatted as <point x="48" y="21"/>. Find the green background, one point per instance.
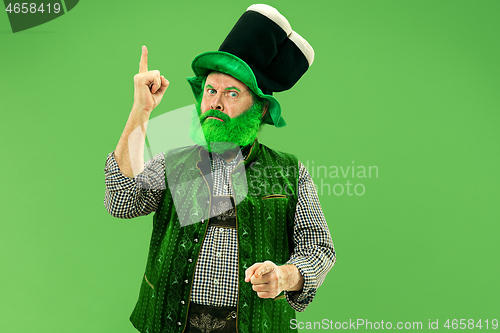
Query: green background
<point x="408" y="86"/>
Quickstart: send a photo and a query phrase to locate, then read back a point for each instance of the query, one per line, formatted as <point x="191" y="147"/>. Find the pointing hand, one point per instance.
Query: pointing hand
<point x="149" y="86"/>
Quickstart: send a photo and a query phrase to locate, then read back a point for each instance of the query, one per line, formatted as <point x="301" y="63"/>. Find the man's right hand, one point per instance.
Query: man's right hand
<point x="149" y="86"/>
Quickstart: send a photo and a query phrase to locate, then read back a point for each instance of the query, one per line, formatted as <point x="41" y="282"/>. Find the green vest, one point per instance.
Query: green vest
<point x="264" y="223"/>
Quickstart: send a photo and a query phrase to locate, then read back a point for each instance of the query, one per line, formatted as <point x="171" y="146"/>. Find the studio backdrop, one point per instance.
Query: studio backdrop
<point x="397" y="121"/>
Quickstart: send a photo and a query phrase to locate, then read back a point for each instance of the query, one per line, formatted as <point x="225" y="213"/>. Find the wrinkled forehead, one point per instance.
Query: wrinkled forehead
<point x="224" y="79"/>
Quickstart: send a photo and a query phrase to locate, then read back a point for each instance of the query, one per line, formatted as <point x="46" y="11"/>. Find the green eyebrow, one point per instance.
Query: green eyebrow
<point x="228" y="88"/>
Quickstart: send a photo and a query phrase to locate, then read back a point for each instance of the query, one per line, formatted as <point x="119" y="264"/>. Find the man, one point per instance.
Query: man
<point x="239" y="240"/>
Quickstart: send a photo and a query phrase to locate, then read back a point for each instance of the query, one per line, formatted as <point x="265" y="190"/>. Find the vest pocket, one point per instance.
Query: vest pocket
<point x="273" y="196"/>
<point x="144" y="312"/>
<point x="146" y="279"/>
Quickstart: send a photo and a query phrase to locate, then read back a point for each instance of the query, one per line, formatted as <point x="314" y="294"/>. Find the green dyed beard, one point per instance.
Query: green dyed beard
<point x="219" y="137"/>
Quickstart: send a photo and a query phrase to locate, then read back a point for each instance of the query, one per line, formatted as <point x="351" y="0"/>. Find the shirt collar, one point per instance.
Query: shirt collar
<point x="247" y="154"/>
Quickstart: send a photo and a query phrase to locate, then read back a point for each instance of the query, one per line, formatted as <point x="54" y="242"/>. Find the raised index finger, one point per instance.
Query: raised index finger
<point x="143" y="65"/>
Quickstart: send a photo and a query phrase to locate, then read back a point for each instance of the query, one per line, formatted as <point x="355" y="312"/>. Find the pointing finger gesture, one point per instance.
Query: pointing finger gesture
<point x="266" y="279"/>
<point x="149" y="86"/>
<point x="143" y="65"/>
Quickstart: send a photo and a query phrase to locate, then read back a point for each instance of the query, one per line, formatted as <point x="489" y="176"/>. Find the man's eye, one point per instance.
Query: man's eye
<point x="211" y="91"/>
<point x="233" y="94"/>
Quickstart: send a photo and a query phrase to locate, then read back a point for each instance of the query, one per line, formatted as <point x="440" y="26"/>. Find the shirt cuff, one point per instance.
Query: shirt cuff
<point x="300" y="299"/>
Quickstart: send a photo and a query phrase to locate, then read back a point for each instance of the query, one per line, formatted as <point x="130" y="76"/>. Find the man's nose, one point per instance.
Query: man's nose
<point x="217" y="102"/>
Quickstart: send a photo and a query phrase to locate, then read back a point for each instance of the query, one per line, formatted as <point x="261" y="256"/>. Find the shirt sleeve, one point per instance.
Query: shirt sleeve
<point x="132" y="197"/>
<point x="314" y="253"/>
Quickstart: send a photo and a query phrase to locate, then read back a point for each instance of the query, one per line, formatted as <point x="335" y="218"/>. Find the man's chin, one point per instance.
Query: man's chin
<point x="218" y="136"/>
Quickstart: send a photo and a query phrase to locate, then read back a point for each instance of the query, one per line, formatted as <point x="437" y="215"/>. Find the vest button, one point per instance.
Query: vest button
<point x="182" y="302"/>
<point x="196" y="240"/>
<point x="186" y="281"/>
<point x="179" y="323"/>
<point x="190" y="260"/>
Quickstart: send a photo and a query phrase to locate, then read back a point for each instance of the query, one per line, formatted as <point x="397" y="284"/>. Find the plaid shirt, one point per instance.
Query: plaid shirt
<point x="215" y="280"/>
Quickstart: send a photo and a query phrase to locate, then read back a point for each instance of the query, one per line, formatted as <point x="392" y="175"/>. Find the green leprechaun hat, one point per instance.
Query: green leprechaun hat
<point x="263" y="52"/>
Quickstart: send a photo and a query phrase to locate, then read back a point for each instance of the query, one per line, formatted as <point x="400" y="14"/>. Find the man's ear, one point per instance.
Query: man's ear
<point x="264" y="109"/>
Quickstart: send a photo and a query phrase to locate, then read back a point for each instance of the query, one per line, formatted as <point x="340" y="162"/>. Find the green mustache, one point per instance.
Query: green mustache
<point x="215" y="113"/>
<point x="218" y="136"/>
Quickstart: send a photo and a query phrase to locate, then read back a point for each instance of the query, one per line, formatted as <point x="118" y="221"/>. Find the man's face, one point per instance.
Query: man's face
<point x="228" y="115"/>
<point x="226" y="94"/>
